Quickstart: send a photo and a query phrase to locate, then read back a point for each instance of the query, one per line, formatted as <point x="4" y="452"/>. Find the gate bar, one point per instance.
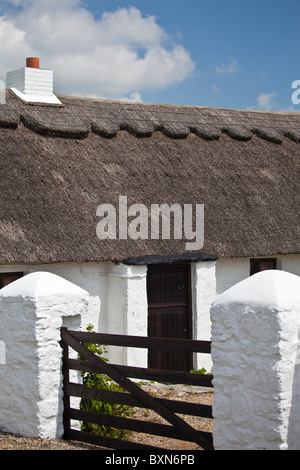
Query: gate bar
<point x="69" y="338"/>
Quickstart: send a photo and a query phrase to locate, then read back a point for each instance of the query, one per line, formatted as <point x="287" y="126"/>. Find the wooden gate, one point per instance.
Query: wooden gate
<point x="178" y="428"/>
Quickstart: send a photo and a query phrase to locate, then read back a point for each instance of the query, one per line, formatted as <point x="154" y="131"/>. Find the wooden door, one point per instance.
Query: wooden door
<point x="169" y="312"/>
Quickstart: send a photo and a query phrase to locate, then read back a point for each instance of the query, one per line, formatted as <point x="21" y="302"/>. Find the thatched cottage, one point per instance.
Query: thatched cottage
<point x="63" y="157"/>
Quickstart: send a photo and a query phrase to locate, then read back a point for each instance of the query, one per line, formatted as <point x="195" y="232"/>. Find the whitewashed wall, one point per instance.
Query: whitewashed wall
<point x="118" y="299"/>
<point x="127" y="310"/>
<point x="231" y="271"/>
<point x="32" y="311"/>
<point x="203" y="293"/>
<point x="256" y="364"/>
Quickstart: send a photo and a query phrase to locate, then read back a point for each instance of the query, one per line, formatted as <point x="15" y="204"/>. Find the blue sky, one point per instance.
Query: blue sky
<point x="241" y="54"/>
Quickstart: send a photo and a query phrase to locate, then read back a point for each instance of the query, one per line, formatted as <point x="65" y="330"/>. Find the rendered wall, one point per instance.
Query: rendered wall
<point x="255" y="352"/>
<point x="118" y="298"/>
<point x="203" y="294"/>
<point x="32" y="311"/>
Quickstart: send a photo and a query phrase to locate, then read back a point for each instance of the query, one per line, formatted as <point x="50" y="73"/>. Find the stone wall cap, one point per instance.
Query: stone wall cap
<point x="41" y="284"/>
<point x="268" y="288"/>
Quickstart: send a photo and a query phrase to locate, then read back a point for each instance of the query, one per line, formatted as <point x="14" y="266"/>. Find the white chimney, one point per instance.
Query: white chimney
<point x="32" y="84"/>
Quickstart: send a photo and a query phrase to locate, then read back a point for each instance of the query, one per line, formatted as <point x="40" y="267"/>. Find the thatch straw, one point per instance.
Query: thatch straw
<point x="58" y="164"/>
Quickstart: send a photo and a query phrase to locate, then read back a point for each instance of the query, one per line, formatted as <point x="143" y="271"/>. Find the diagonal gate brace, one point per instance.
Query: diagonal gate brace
<point x="143" y="397"/>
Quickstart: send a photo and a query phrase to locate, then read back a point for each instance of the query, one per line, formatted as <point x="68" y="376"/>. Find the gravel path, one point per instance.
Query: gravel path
<point x="14" y="442"/>
<point x="191" y="394"/>
<point x="173" y="392"/>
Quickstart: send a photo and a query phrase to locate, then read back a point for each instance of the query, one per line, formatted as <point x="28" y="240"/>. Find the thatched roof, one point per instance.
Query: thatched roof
<point x="57" y="164"/>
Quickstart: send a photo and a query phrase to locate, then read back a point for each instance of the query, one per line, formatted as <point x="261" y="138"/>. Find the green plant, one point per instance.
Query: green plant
<point x="200" y="371"/>
<point x="101" y="381"/>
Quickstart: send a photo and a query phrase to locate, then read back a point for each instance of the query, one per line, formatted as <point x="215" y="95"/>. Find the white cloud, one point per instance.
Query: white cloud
<point x="228" y="69"/>
<point x="120" y="54"/>
<point x="135" y="96"/>
<point x="265" y="101"/>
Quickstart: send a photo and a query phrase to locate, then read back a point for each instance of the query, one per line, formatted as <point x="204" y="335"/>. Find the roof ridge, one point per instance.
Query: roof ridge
<point x="173" y="105"/>
<point x="80" y="116"/>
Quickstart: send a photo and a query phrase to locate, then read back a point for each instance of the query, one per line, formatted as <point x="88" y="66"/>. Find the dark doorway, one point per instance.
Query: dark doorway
<point x="7" y="278"/>
<point x="169" y="312"/>
<point x="262" y="264"/>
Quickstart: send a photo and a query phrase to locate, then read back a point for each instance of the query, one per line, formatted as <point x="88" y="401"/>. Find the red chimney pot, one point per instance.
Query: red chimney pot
<point x="33" y="62"/>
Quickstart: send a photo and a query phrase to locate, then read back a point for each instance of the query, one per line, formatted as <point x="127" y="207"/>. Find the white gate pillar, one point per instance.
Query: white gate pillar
<point x="32" y="311"/>
<point x="255" y="354"/>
